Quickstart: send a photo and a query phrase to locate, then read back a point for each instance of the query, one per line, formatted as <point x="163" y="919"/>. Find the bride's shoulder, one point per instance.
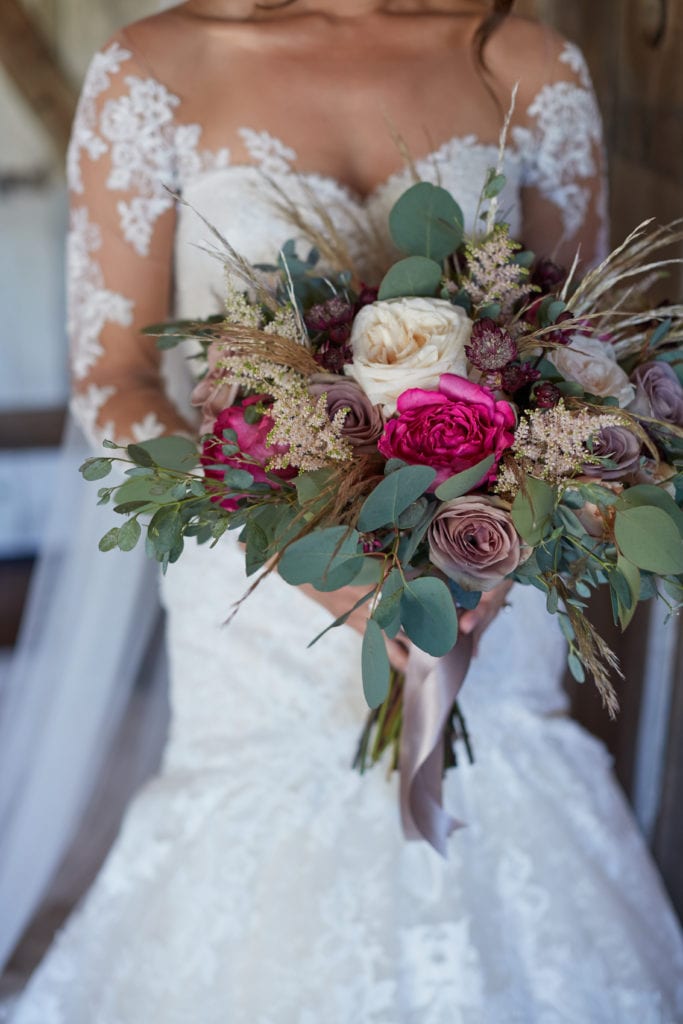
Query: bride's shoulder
<point x="536" y="56"/>
<point x="168" y="46"/>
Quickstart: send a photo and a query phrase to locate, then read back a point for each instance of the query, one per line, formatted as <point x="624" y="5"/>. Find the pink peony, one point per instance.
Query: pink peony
<point x="450" y="429"/>
<point x="251" y="440"/>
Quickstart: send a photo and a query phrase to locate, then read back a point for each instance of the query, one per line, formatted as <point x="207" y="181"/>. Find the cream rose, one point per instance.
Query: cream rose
<point x="593" y="365"/>
<point x="407" y="343"/>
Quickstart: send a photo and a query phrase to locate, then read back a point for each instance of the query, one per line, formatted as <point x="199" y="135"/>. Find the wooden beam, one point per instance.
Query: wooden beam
<point x="32" y="428"/>
<point x="34" y="69"/>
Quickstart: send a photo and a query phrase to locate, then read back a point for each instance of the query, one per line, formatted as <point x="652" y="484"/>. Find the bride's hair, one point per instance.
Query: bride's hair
<point x="500" y="9"/>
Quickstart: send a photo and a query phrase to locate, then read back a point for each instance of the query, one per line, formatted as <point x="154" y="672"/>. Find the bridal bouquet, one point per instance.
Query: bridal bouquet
<point x="477" y="415"/>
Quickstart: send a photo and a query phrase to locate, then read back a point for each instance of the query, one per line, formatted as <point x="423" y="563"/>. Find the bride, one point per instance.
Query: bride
<point x="258" y="879"/>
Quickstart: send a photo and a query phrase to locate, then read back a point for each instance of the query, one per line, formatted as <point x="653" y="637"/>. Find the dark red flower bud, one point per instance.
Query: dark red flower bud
<point x="546" y="395"/>
<point x="332" y="313"/>
<point x="367" y="295"/>
<point x="490" y="347"/>
<point x="517" y="376"/>
<point x="340" y="334"/>
<point x="548" y="276"/>
<point x="334" y="357"/>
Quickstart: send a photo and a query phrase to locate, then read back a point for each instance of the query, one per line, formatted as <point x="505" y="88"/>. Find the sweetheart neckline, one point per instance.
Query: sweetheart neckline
<point x="430" y="161"/>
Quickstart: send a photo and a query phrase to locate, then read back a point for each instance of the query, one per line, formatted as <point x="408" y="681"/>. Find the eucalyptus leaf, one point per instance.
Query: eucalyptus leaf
<point x="175" y="452"/>
<point x="649" y="538"/>
<point x="388" y="611"/>
<point x="415" y="275"/>
<point x="237" y="479"/>
<point x="129" y="535"/>
<point x="465" y="599"/>
<point x="428" y="615"/>
<point x="427" y="221"/>
<point x="494" y="186"/>
<point x="110" y="540"/>
<point x="393" y="495"/>
<point x="648" y="494"/>
<point x="375" y="665"/>
<point x="460" y="484"/>
<point x="327" y="558"/>
<point x="532" y="510"/>
<point x="576" y="668"/>
<point x="96" y="469"/>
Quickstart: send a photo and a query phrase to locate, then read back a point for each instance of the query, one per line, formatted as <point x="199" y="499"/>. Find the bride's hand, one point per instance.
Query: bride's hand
<point x="481" y="617"/>
<point x="338" y="603"/>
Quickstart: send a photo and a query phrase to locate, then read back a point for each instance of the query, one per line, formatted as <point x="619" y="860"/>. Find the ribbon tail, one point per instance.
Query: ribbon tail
<point x="431" y="688"/>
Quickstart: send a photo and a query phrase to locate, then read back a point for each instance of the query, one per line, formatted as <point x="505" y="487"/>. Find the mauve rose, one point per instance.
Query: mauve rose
<point x="621" y="446"/>
<point x="474" y="542"/>
<point x="214" y="392"/>
<point x="658" y="393"/>
<point x="364" y="421"/>
<point x="451" y="429"/>
<point x="251" y="439"/>
<point x="593" y="364"/>
<point x="595" y="523"/>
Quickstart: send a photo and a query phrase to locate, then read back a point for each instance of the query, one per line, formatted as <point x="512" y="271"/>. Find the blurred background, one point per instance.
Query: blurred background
<point x="634" y="49"/>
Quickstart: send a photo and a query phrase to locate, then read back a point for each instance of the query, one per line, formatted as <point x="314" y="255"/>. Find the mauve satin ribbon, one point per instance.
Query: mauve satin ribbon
<point x="431" y="688"/>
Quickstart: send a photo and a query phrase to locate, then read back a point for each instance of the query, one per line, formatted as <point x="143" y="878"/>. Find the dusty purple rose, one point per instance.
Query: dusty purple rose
<point x="474" y="542"/>
<point x="364" y="421"/>
<point x="659" y="393"/>
<point x="450" y="429"/>
<point x="215" y="392"/>
<point x="621" y="446"/>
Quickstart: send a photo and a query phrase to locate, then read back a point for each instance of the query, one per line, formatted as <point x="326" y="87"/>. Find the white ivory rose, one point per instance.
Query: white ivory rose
<point x="407" y="343"/>
<point x="592" y="364"/>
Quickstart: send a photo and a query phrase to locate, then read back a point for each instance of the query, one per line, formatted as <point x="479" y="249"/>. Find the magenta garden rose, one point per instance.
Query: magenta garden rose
<point x="450" y="429"/>
<point x="252" y="442"/>
<point x="474" y="542"/>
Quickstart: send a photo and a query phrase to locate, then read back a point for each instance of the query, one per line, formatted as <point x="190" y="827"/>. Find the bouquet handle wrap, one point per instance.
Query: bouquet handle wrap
<point x="431" y="688"/>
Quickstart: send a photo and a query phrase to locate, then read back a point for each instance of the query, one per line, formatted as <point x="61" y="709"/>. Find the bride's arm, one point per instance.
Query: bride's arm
<point x="120" y="251"/>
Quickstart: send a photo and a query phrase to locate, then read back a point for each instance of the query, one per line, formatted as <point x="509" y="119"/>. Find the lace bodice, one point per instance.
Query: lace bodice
<point x="131" y="257"/>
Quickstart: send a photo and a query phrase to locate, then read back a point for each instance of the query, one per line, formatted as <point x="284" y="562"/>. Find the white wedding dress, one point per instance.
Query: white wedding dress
<point x="259" y="879"/>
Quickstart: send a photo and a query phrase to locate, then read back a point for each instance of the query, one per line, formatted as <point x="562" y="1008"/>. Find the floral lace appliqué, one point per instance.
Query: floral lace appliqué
<point x="561" y="145"/>
<point x="85" y="135"/>
<point x="85" y="407"/>
<point x="91" y="303"/>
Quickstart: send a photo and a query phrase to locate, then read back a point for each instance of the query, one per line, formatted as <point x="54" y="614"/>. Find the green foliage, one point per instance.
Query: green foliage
<point x="129" y="535"/>
<point x="387" y="614"/>
<point x="532" y="510"/>
<point x="426" y="221"/>
<point x="415" y="275"/>
<point x="466" y="481"/>
<point x="175" y="453"/>
<point x="327" y="559"/>
<point x="394" y="495"/>
<point x="110" y="540"/>
<point x="428" y="615"/>
<point x="494" y="185"/>
<point x="96" y="469"/>
<point x="376" y="666"/>
<point x="650" y="539"/>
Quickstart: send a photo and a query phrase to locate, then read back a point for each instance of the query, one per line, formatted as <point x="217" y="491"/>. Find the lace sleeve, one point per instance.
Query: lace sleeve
<point x="564" y="181"/>
<point x="120" y="249"/>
